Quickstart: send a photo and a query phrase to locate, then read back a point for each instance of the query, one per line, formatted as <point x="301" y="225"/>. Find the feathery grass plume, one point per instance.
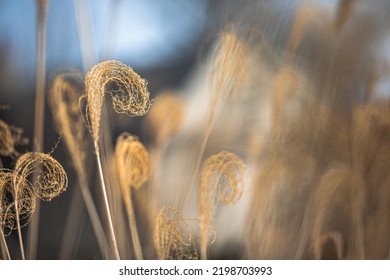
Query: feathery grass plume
<point x="132" y="165"/>
<point x="333" y="222"/>
<point x="306" y="16"/>
<point x="166" y="116"/>
<point x="64" y="104"/>
<point x="285" y="87"/>
<point x="344" y="9"/>
<point x="51" y="179"/>
<point x="371" y="156"/>
<point x="129" y="95"/>
<point x="128" y="91"/>
<point x="222" y="178"/>
<point x="172" y="236"/>
<point x="228" y="75"/>
<point x="48" y="176"/>
<point x="17" y="204"/>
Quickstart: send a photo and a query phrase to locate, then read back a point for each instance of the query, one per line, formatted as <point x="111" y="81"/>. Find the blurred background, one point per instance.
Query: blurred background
<point x="166" y="42"/>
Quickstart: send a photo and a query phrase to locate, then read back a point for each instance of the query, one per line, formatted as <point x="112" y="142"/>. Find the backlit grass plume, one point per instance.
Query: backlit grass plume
<point x="64" y="104"/>
<point x="129" y="95"/>
<point x="166" y="116"/>
<point x="228" y="68"/>
<point x="132" y="166"/>
<point x="128" y="91"/>
<point x="222" y="179"/>
<point x="51" y="179"/>
<point x="172" y="236"/>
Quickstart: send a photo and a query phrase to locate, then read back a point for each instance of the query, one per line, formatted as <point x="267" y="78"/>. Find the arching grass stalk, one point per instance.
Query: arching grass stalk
<point x="64" y="100"/>
<point x="132" y="166"/>
<point x="129" y="95"/>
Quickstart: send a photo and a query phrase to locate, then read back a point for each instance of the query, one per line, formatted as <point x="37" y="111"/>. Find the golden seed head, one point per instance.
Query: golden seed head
<point x="25" y="197"/>
<point x="51" y="179"/>
<point x="128" y="91"/>
<point x="132" y="161"/>
<point x="223" y="178"/>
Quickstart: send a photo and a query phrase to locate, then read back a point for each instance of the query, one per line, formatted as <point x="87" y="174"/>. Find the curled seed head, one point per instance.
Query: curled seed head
<point x="51" y="179"/>
<point x="166" y="116"/>
<point x="172" y="236"/>
<point x="223" y="178"/>
<point x="64" y="103"/>
<point x="132" y="161"/>
<point x="128" y="91"/>
<point x="25" y="197"/>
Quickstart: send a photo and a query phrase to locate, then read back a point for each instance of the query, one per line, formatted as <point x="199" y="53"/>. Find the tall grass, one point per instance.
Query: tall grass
<point x="297" y="104"/>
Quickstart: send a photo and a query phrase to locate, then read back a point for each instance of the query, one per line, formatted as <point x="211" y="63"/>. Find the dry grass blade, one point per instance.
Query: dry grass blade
<point x="172" y="236"/>
<point x="132" y="165"/>
<point x="128" y="91"/>
<point x="222" y="178"/>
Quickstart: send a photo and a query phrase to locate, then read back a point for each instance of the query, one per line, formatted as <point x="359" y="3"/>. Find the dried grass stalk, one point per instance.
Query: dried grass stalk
<point x="172" y="236"/>
<point x="132" y="165"/>
<point x="228" y="75"/>
<point x="64" y="103"/>
<point x="129" y="95"/>
<point x="222" y="178"/>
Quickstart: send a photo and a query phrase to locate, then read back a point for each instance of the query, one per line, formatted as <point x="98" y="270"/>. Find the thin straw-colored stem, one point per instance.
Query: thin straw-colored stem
<point x="19" y="229"/>
<point x="39" y="116"/>
<point x="133" y="224"/>
<point x="104" y="190"/>
<point x="4" y="245"/>
<point x="76" y="207"/>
